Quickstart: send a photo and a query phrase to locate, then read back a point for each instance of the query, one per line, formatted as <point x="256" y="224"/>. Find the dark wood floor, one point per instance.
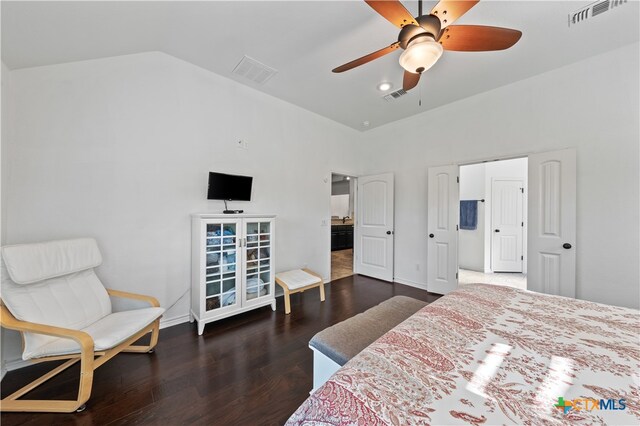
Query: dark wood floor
<point x="251" y="369"/>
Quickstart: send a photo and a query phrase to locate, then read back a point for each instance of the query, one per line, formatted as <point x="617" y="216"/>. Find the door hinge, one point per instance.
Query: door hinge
<point x="521" y="257"/>
<point x="458" y="179"/>
<point x="456" y="227"/>
<point x="522" y="190"/>
<point x="522" y="224"/>
<point x="456" y="275"/>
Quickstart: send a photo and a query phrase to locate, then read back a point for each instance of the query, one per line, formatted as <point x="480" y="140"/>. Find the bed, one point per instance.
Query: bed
<point x="491" y="355"/>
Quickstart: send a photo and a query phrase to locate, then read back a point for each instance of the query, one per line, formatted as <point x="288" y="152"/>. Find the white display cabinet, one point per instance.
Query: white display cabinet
<point x="232" y="265"/>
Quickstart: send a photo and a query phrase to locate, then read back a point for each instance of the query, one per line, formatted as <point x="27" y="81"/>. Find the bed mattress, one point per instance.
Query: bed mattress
<point x="491" y="355"/>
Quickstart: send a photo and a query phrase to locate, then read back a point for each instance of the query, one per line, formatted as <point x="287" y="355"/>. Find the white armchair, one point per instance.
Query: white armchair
<point x="51" y="294"/>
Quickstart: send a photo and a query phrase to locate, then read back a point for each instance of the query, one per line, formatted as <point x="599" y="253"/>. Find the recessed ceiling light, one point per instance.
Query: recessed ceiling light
<point x="384" y="86"/>
<point x="365" y="123"/>
<point x="348" y="178"/>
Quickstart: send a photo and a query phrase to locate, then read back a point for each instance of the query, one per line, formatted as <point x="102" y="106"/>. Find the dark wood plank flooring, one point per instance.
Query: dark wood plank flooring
<point x="251" y="369"/>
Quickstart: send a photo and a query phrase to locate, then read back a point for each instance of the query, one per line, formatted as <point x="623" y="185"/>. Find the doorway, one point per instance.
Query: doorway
<point x="492" y="246"/>
<point x="342" y="225"/>
<point x="549" y="225"/>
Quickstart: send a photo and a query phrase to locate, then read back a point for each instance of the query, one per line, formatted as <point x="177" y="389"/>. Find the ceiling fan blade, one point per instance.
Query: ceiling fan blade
<point x="478" y="38"/>
<point x="410" y="80"/>
<point x="450" y="10"/>
<point x="393" y="11"/>
<point x="367" y="58"/>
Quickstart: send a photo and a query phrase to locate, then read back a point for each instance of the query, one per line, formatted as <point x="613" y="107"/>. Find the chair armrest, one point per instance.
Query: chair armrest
<point x="7" y="320"/>
<point x="149" y="299"/>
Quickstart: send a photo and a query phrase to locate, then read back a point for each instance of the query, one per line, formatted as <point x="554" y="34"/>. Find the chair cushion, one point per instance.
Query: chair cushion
<point x="107" y="333"/>
<point x="31" y="263"/>
<point x="53" y="283"/>
<point x="71" y="301"/>
<point x="297" y="279"/>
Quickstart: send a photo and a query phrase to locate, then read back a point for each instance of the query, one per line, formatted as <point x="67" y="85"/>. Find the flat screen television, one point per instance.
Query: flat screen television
<point x="229" y="187"/>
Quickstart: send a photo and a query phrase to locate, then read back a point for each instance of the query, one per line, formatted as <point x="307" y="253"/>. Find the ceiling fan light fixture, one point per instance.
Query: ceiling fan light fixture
<point x="421" y="54"/>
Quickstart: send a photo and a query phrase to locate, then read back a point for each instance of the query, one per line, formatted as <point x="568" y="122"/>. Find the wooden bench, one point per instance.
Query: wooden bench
<point x="335" y="345"/>
<point x="297" y="281"/>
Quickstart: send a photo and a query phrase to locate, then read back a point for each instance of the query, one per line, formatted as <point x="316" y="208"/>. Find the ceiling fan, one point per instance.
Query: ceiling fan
<point x="425" y="37"/>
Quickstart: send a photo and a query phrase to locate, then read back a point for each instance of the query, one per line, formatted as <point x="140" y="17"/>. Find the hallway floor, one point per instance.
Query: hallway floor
<point x="509" y="279"/>
<point x="341" y="264"/>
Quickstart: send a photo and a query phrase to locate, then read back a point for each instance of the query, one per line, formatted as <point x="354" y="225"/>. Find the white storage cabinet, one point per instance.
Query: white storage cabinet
<point x="232" y="265"/>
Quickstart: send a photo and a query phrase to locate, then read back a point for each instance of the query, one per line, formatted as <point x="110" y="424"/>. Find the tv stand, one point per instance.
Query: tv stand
<point x="227" y="211"/>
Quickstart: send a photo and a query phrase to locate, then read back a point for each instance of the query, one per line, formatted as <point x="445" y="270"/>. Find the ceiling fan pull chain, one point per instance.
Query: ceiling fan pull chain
<point x="420" y="99"/>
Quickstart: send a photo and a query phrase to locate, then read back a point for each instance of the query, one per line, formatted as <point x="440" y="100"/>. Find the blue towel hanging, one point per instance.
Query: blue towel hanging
<point x="468" y="214"/>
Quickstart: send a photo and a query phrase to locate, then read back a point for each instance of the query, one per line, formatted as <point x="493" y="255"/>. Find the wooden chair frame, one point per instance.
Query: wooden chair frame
<point x="89" y="359"/>
<point x="287" y="292"/>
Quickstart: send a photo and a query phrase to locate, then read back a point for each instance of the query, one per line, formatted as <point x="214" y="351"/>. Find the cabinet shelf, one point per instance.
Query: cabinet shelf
<point x="228" y="279"/>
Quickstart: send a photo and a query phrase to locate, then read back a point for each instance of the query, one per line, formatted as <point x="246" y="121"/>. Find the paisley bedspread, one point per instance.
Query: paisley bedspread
<point x="489" y="355"/>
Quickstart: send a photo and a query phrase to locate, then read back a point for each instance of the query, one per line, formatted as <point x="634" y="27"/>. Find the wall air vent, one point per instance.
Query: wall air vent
<point x="593" y="9"/>
<point x="253" y="70"/>
<point x="394" y="95"/>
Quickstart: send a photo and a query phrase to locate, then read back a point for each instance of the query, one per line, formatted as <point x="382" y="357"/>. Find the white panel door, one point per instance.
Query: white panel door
<point x="552" y="223"/>
<point x="442" y="247"/>
<point x="506" y="225"/>
<point x="374" y="227"/>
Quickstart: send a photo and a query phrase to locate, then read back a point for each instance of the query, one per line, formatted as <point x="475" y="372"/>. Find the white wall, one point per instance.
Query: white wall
<point x="120" y="148"/>
<point x="4" y="132"/>
<point x="471" y="244"/>
<point x="592" y="105"/>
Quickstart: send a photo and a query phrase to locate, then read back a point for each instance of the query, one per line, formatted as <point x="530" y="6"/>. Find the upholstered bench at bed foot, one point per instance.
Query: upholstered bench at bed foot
<point x="335" y="345"/>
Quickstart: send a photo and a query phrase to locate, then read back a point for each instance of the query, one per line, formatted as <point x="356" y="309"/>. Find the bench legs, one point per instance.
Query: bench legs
<point x="287" y="302"/>
<point x="323" y="368"/>
<point x="287" y="296"/>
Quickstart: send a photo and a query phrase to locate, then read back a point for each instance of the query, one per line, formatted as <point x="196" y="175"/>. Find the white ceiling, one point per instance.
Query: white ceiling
<point x="304" y="40"/>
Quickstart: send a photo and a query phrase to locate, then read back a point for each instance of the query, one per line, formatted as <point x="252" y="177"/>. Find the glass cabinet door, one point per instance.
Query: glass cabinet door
<point x="221" y="263"/>
<point x="258" y="260"/>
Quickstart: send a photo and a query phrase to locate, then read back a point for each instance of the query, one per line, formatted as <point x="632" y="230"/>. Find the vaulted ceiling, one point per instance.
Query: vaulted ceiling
<point x="304" y="40"/>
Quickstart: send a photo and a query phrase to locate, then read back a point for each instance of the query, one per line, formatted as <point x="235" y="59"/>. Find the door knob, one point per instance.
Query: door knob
<point x="388" y="232"/>
<point x="566" y="246"/>
<point x="431" y="235"/>
<point x="496" y="230"/>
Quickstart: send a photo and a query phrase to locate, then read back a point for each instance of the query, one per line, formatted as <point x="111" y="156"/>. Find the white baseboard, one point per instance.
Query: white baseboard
<point x="169" y="322"/>
<point x="16" y="364"/>
<point x="410" y="283"/>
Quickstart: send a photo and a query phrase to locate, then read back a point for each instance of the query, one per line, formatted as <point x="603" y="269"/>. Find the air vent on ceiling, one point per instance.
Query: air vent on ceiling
<point x="593" y="9"/>
<point x="254" y="70"/>
<point x="394" y="95"/>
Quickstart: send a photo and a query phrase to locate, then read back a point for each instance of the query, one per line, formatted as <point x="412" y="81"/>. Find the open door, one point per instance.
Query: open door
<point x="442" y="247"/>
<point x="552" y="223"/>
<point x="374" y="227"/>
